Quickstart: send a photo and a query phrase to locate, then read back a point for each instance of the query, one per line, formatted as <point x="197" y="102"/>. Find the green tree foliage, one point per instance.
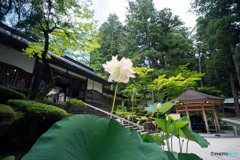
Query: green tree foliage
<point x="110" y="34"/>
<point x="62" y="26"/>
<point x="141" y="82"/>
<point x="166" y="86"/>
<point x="151" y="38"/>
<point x="173" y="84"/>
<point x="163" y="41"/>
<point x="218" y="29"/>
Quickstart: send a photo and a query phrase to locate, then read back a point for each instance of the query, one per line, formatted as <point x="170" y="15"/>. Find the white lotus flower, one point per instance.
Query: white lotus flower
<point x="120" y="71"/>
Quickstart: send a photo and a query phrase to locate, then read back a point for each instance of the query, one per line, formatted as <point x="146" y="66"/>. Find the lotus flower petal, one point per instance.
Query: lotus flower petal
<point x="120" y="71"/>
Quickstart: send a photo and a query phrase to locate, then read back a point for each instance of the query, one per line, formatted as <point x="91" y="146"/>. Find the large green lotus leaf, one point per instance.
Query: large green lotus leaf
<point x="188" y="156"/>
<point x="88" y="137"/>
<point x="201" y="141"/>
<point x="187" y="133"/>
<point x="166" y="126"/>
<point x="151" y="108"/>
<point x="166" y="107"/>
<point x="179" y="123"/>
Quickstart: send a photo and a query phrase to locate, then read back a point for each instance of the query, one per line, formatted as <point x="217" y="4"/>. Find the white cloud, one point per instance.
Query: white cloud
<point x="179" y="7"/>
<point x="118" y="7"/>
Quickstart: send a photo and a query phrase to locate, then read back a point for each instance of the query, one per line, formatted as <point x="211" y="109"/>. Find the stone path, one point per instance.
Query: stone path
<point x="217" y="144"/>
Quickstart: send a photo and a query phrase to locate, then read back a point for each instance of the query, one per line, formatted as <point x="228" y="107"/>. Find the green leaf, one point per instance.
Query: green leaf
<point x="160" y="139"/>
<point x="166" y="126"/>
<point x="187" y="133"/>
<point x="166" y="107"/>
<point x="9" y="158"/>
<point x="148" y="138"/>
<point x="170" y="155"/>
<point x="170" y="119"/>
<point x="179" y="123"/>
<point x="151" y="108"/>
<point x="89" y="138"/>
<point x="201" y="141"/>
<point x="188" y="156"/>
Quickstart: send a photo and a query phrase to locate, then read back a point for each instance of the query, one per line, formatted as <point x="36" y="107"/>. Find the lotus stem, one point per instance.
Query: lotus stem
<point x="171" y="144"/>
<point x="168" y="144"/>
<point x="182" y="145"/>
<point x="163" y="144"/>
<point x="179" y="142"/>
<point x="168" y="147"/>
<point x="132" y="109"/>
<point x="187" y="146"/>
<point x="156" y="124"/>
<point x="114" y="100"/>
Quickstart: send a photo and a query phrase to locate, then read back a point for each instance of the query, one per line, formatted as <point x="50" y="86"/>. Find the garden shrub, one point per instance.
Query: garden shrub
<point x="8" y="115"/>
<point x="143" y="112"/>
<point x="73" y="105"/>
<point x="7" y="93"/>
<point x="47" y="101"/>
<point x="38" y="119"/>
<point x="6" y="112"/>
<point x="148" y="114"/>
<point x="123" y="114"/>
<point x="135" y="109"/>
<point x="142" y="119"/>
<point x="134" y="118"/>
<point x="223" y="127"/>
<point x="36" y="108"/>
<point x="121" y="108"/>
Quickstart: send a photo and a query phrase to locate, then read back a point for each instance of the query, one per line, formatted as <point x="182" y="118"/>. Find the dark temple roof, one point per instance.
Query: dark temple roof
<point x="190" y="95"/>
<point x="11" y="37"/>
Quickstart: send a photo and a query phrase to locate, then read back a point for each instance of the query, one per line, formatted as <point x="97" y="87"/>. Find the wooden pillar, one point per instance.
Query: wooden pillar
<point x="216" y="120"/>
<point x="205" y="119"/>
<point x="188" y="117"/>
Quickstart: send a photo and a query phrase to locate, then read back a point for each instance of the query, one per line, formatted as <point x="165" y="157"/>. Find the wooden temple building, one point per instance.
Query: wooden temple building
<point x="26" y="74"/>
<point x="194" y="101"/>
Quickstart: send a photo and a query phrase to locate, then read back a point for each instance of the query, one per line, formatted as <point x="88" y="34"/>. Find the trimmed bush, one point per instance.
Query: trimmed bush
<point x="40" y="109"/>
<point x="7" y="93"/>
<point x="38" y="118"/>
<point x="223" y="127"/>
<point x="134" y="118"/>
<point x="47" y="101"/>
<point x="73" y="105"/>
<point x="6" y="111"/>
<point x="148" y="114"/>
<point x="123" y="114"/>
<point x="8" y="115"/>
<point x="121" y="108"/>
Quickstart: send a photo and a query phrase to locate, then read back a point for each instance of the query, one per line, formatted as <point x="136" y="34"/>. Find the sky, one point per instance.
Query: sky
<point x="179" y="7"/>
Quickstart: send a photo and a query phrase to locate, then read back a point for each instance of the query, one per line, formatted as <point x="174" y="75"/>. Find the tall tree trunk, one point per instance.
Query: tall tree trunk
<point x="205" y="57"/>
<point x="153" y="96"/>
<point x="234" y="92"/>
<point x="200" y="67"/>
<point x="235" y="61"/>
<point x="46" y="63"/>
